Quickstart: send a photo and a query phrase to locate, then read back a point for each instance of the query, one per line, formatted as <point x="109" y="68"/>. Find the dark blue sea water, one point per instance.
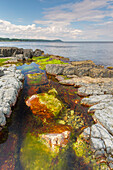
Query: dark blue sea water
<point x="100" y="53"/>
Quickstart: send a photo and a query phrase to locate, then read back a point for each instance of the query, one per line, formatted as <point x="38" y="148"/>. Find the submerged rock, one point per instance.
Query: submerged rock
<point x="56" y="139"/>
<point x="53" y="105"/>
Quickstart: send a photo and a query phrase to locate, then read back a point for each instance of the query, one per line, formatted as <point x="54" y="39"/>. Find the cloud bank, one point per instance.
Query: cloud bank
<point x="83" y="20"/>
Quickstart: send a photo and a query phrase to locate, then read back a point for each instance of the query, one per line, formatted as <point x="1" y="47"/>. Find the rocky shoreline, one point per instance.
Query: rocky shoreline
<point x="10" y="86"/>
<point x="95" y="83"/>
<point x="18" y="54"/>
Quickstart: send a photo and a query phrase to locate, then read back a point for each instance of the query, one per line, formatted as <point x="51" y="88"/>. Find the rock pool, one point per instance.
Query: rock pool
<point x="44" y="136"/>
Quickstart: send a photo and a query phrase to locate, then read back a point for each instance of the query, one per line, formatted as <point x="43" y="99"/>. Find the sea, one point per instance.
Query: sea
<point x="100" y="52"/>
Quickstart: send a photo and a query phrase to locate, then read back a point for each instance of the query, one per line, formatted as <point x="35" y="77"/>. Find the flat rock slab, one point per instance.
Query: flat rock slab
<point x="10" y="85"/>
<point x="103" y="109"/>
<point x="79" y="68"/>
<point x="101" y="142"/>
<point x="92" y="100"/>
<point x="96" y="89"/>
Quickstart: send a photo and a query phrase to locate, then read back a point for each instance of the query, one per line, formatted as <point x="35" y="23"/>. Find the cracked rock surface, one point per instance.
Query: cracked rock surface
<point x="10" y="85"/>
<point x="95" y="83"/>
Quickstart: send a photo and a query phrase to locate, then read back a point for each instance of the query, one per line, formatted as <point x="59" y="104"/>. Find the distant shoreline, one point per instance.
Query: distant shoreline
<point x="44" y="40"/>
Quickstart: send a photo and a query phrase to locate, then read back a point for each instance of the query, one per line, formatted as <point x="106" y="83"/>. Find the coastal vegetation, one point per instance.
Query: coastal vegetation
<point x="27" y="40"/>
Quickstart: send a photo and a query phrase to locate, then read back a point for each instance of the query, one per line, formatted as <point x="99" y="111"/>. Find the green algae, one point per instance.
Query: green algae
<point x="70" y="118"/>
<point x="43" y="61"/>
<point x="40" y="58"/>
<point x="83" y="150"/>
<point x="35" y="78"/>
<point x="2" y="60"/>
<point x="54" y="61"/>
<point x="34" y="154"/>
<point x="51" y="102"/>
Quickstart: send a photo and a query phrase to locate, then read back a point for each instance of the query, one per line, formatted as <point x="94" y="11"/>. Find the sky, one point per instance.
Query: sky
<point x="68" y="20"/>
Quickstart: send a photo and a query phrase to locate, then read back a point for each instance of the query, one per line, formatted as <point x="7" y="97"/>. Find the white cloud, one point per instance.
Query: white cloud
<point x="7" y="29"/>
<point x="83" y="20"/>
<point x="89" y="13"/>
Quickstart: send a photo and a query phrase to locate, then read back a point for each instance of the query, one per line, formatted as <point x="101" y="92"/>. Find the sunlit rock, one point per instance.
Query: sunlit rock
<point x="10" y="86"/>
<point x="49" y="100"/>
<point x="56" y="139"/>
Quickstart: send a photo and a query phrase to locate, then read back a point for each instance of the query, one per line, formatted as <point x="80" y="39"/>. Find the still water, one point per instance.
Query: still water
<point x="100" y="53"/>
<point x="20" y="148"/>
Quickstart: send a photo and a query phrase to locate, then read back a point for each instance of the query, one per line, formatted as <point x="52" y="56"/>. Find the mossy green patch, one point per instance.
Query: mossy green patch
<point x="40" y="57"/>
<point x="43" y="61"/>
<point x="35" y="78"/>
<point x="51" y="102"/>
<point x="54" y="61"/>
<point x="34" y="154"/>
<point x="82" y="149"/>
<point x="2" y="60"/>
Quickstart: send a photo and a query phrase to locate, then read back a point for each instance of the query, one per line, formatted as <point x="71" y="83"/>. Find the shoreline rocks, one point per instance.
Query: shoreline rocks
<point x="82" y="68"/>
<point x="10" y="86"/>
<point x="19" y="54"/>
<point x="95" y="83"/>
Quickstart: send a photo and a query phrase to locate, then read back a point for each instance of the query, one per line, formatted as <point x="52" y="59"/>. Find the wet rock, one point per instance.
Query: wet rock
<point x="10" y="85"/>
<point x="56" y="139"/>
<point x="7" y="51"/>
<point x="19" y="54"/>
<point x="45" y="100"/>
<point x="38" y="52"/>
<point x="28" y="53"/>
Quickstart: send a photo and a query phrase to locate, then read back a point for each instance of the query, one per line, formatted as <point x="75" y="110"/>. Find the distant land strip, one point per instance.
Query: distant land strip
<point x="25" y="40"/>
<point x="46" y="40"/>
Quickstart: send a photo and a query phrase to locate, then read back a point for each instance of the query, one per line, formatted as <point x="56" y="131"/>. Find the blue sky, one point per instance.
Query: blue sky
<point x="57" y="19"/>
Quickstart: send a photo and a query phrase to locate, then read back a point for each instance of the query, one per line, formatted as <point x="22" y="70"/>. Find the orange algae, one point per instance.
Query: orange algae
<point x="54" y="128"/>
<point x="39" y="109"/>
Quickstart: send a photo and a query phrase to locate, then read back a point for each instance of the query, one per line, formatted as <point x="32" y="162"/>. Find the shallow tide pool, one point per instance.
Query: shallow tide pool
<point x="26" y="142"/>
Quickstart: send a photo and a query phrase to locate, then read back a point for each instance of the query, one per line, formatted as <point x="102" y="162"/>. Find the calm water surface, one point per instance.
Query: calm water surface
<point x="22" y="122"/>
<point x="100" y="53"/>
